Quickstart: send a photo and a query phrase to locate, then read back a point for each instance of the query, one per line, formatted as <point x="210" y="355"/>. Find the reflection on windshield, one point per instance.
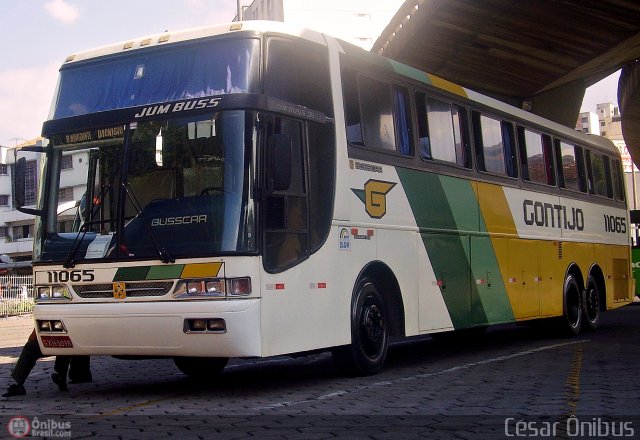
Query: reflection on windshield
<point x="155" y="76"/>
<point x="184" y="192"/>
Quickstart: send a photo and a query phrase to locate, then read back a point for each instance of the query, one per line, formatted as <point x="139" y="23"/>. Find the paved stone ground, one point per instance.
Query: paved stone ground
<point x="474" y="388"/>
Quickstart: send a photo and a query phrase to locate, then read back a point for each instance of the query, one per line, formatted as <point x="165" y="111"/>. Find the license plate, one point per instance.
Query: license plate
<point x="56" y="341"/>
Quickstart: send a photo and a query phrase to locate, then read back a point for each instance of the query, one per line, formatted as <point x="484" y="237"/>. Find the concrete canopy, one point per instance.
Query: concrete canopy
<point x="539" y="55"/>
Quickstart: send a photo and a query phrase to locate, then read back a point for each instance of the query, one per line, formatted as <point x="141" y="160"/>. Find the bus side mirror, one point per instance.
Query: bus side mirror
<point x="20" y="173"/>
<point x="20" y="181"/>
<point x="279" y="162"/>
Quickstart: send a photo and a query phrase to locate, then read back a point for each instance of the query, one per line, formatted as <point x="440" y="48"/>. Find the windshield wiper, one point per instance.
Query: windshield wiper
<point x="162" y="252"/>
<point x="70" y="262"/>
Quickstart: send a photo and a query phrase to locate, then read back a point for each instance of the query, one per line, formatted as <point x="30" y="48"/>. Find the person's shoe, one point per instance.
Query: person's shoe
<point x="15" y="390"/>
<point x="59" y="380"/>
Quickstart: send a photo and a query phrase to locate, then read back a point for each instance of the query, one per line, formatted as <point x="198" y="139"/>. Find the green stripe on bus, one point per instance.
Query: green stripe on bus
<point x="131" y="273"/>
<point x="447" y="212"/>
<point x="165" y="272"/>
<point x="409" y="71"/>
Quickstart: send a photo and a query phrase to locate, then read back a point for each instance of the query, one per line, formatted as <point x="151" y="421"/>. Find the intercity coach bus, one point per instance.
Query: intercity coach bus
<point x="255" y="189"/>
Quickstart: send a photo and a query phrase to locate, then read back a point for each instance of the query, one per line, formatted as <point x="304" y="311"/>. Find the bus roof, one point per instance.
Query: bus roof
<point x="168" y="38"/>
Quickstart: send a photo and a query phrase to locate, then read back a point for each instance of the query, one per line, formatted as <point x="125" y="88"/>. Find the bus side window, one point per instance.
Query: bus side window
<point x="352" y="107"/>
<point x="495" y="149"/>
<point x="596" y="167"/>
<point x="441" y="130"/>
<point x="570" y="166"/>
<point x="402" y="121"/>
<point x="616" y="177"/>
<point x="536" y="158"/>
<point x="299" y="73"/>
<point x="424" y="140"/>
<point x="377" y="116"/>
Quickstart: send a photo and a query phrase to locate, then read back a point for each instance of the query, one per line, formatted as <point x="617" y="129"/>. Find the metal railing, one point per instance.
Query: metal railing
<point x="16" y="295"/>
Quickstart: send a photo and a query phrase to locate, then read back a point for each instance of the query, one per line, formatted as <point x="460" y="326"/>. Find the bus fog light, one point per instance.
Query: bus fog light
<point x="197" y="325"/>
<point x="51" y="326"/>
<point x="216" y="325"/>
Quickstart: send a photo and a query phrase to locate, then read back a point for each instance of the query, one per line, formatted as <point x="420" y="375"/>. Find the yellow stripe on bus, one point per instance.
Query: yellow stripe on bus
<point x="447" y="85"/>
<point x="201" y="270"/>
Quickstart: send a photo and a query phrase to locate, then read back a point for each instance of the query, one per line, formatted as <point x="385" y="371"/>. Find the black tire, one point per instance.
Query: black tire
<point x="201" y="367"/>
<point x="591" y="305"/>
<point x="572" y="315"/>
<point x="369" y="333"/>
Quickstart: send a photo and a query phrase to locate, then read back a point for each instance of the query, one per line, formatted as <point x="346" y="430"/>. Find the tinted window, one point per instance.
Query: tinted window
<point x="377" y="118"/>
<point x="535" y="157"/>
<point x="494" y="145"/>
<point x="352" y="107"/>
<point x="322" y="158"/>
<point x="570" y="166"/>
<point x="597" y="174"/>
<point x="285" y="212"/>
<point x="300" y="74"/>
<point x="440" y="130"/>
<point x="616" y="178"/>
<point x="402" y="121"/>
<point x="377" y="114"/>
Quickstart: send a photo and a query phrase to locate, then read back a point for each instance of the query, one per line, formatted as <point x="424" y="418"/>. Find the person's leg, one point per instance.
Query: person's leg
<point x="80" y="370"/>
<point x="61" y="366"/>
<point x="30" y="354"/>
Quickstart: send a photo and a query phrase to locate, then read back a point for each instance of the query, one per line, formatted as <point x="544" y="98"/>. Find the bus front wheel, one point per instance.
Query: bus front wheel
<point x="369" y="332"/>
<point x="200" y="367"/>
<point x="572" y="316"/>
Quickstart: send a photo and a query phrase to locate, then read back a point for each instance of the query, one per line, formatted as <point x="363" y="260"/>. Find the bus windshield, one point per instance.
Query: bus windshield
<point x="165" y="189"/>
<point x="158" y="75"/>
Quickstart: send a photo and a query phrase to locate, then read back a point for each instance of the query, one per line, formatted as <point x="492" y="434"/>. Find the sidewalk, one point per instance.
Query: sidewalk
<point x="15" y="330"/>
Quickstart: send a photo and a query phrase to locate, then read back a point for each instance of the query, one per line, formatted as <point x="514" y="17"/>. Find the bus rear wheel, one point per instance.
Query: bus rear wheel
<point x="591" y="304"/>
<point x="200" y="367"/>
<point x="369" y="333"/>
<point x="572" y="315"/>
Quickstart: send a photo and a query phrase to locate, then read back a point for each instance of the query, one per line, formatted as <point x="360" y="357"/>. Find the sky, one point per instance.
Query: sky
<point x="37" y="35"/>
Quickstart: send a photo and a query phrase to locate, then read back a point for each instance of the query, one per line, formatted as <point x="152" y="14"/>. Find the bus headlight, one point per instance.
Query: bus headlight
<point x="55" y="292"/>
<point x="213" y="288"/>
<point x="208" y="287"/>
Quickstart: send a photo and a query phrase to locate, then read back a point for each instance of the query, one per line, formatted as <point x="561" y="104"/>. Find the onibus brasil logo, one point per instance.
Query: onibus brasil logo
<point x="374" y="197"/>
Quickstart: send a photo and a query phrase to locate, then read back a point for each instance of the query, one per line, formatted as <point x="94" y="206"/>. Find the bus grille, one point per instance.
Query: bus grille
<point x="134" y="290"/>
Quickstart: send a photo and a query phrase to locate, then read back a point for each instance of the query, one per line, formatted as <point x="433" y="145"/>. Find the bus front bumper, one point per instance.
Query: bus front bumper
<point x="152" y="329"/>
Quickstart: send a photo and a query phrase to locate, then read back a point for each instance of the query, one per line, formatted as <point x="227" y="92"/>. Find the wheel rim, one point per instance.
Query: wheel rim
<point x="372" y="330"/>
<point x="573" y="307"/>
<point x="592" y="304"/>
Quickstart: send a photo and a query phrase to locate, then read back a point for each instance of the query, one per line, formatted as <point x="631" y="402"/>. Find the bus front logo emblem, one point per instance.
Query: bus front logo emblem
<point x="374" y="197"/>
<point x="119" y="290"/>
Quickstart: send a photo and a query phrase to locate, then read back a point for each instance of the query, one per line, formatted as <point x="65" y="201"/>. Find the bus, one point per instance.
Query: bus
<point x="255" y="189"/>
